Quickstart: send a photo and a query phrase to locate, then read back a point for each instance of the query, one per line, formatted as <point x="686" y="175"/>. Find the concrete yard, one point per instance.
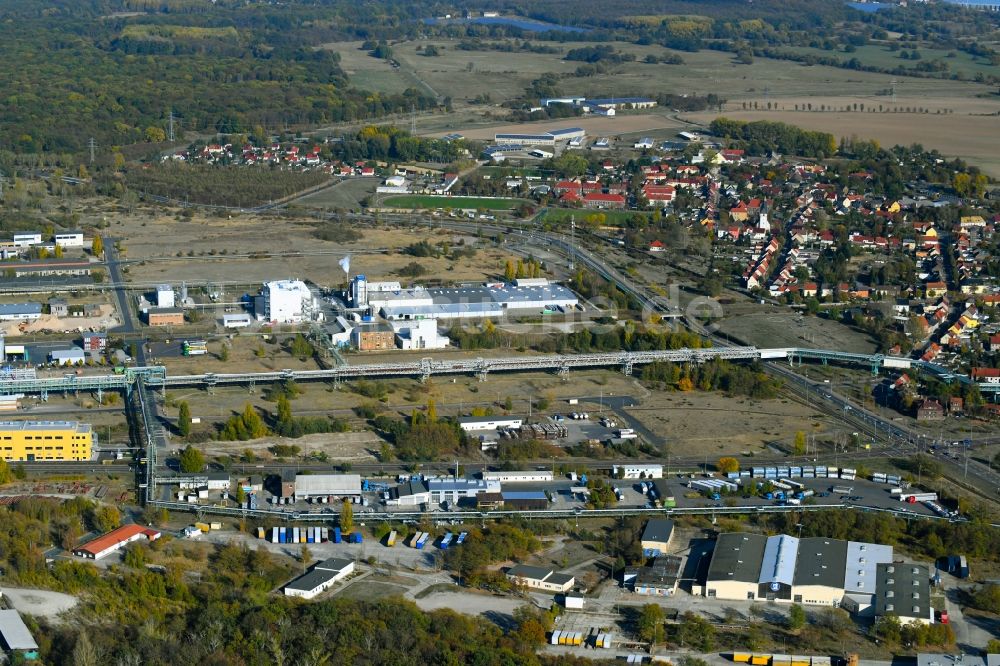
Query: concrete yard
<point x="42" y="603"/>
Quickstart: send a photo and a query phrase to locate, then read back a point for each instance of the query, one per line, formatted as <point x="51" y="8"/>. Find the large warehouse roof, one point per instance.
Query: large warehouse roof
<point x="327" y="484"/>
<point x="778" y="563"/>
<point x="737" y="556"/>
<point x="821" y="562"/>
<point x="862" y="559"/>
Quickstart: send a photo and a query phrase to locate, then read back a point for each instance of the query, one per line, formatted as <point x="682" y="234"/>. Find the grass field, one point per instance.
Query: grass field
<point x="345" y="194"/>
<point x="879" y="55"/>
<point x="431" y="201"/>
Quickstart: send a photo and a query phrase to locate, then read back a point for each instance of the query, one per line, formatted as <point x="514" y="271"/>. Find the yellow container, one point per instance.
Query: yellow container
<point x="742" y="657"/>
<point x="760" y="659"/>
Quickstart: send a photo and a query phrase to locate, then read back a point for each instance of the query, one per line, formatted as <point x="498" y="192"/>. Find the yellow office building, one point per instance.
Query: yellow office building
<point x="30" y="441"/>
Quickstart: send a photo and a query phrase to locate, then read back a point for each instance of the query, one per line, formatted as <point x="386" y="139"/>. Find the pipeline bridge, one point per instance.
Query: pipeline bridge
<point x="156" y="377"/>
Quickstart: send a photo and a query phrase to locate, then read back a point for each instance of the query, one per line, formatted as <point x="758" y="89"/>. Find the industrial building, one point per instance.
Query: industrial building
<point x="288" y="302"/>
<point x="450" y="489"/>
<point x="904" y="590"/>
<point x="782" y="568"/>
<point x="48" y="267"/>
<point x="165" y="317"/>
<point x="411" y="493"/>
<point x="527" y="476"/>
<point x="69" y="239"/>
<point x="32" y="441"/>
<point x="489" y="300"/>
<point x="20" y="311"/>
<point x="240" y="320"/>
<point x="539" y="578"/>
<point x="659" y="579"/>
<point x="524" y="500"/>
<point x="27" y="239"/>
<point x="639" y="471"/>
<point x="114" y="540"/>
<point x="320" y="578"/>
<point x="71" y="356"/>
<point x="477" y="423"/>
<point x="319" y="485"/>
<point x="656" y="537"/>
<point x="373" y="336"/>
<point x="419" y="334"/>
<point x="16" y="637"/>
<point x="94" y="342"/>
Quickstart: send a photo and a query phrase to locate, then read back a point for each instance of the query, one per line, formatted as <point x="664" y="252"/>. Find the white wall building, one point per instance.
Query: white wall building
<point x="526" y="476"/>
<point x="320" y="579"/>
<point x="27" y="240"/>
<point x="69" y="239"/>
<point x="419" y="334"/>
<point x="474" y="423"/>
<point x="164" y="296"/>
<point x="241" y="320"/>
<point x="640" y="471"/>
<point x="288" y="301"/>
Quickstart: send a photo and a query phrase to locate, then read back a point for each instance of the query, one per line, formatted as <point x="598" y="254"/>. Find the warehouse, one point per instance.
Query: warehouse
<point x="735" y="567"/>
<point x="73" y="356"/>
<point x="545" y="139"/>
<point x="320" y="579"/>
<point x="319" y="485"/>
<point x="525" y="501"/>
<point x="419" y="334"/>
<point x="539" y="578"/>
<point x="904" y="590"/>
<point x="114" y="540"/>
<point x="450" y="489"/>
<point x="241" y="320"/>
<point x="16" y="637"/>
<point x="814" y="570"/>
<point x="411" y="493"/>
<point x="32" y="441"/>
<point x="20" y="311"/>
<point x="69" y="239"/>
<point x="477" y="423"/>
<point x="637" y="471"/>
<point x="656" y="537"/>
<point x="526" y="476"/>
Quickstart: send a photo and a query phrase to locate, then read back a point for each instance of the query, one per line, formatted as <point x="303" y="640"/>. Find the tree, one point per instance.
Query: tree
<point x="305" y="557"/>
<point x="284" y="412"/>
<point x="84" y="652"/>
<point x="651" y="623"/>
<point x="726" y="465"/>
<point x="346" y="517"/>
<point x="301" y="347"/>
<point x="155" y="134"/>
<point x="432" y="414"/>
<point x="509" y="274"/>
<point x="241" y="495"/>
<point x="184" y="419"/>
<point x="224" y="353"/>
<point x="800" y="443"/>
<point x="6" y="476"/>
<point x="97" y="247"/>
<point x="192" y="460"/>
<point x="107" y="518"/>
<point x="993" y="647"/>
<point x="796" y="617"/>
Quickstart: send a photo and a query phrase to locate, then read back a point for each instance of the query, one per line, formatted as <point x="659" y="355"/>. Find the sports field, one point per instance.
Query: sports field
<point x="465" y="203"/>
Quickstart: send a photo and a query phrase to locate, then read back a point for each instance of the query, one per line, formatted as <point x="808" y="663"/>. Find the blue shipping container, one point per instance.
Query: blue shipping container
<point x="336" y="535"/>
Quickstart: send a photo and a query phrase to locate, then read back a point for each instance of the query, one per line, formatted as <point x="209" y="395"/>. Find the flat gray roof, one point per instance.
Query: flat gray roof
<point x="659" y="530"/>
<point x="738" y="556"/>
<point x="903" y="590"/>
<point x="862" y="560"/>
<point x="334" y="564"/>
<point x="20" y="308"/>
<point x="14" y="632"/>
<point x="327" y="484"/>
<point x="529" y="571"/>
<point x="312" y="580"/>
<point x="821" y="561"/>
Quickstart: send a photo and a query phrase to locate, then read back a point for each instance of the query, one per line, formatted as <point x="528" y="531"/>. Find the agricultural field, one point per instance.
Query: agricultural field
<point x="973" y="135"/>
<point x="432" y="201"/>
<point x="880" y="55"/>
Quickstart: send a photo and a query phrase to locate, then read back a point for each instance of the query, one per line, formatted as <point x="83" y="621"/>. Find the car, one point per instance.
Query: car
<point x="823" y="494"/>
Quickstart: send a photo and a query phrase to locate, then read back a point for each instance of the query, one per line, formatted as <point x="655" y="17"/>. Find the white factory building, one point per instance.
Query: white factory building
<point x="490" y="300"/>
<point x="165" y="296"/>
<point x="320" y="485"/>
<point x="639" y="471"/>
<point x="321" y="578"/>
<point x="524" y="476"/>
<point x="419" y="334"/>
<point x="288" y="302"/>
<point x="479" y="423"/>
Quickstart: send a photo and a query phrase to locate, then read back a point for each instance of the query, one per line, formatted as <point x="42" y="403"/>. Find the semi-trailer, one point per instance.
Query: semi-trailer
<point x="842" y="490"/>
<point x="282" y="535"/>
<point x="446" y="541"/>
<point x="422" y="541"/>
<point x="391" y="540"/>
<point x="356" y="537"/>
<point x="274" y="535"/>
<point x="913" y="498"/>
<point x="336" y="535"/>
<point x="461" y="537"/>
